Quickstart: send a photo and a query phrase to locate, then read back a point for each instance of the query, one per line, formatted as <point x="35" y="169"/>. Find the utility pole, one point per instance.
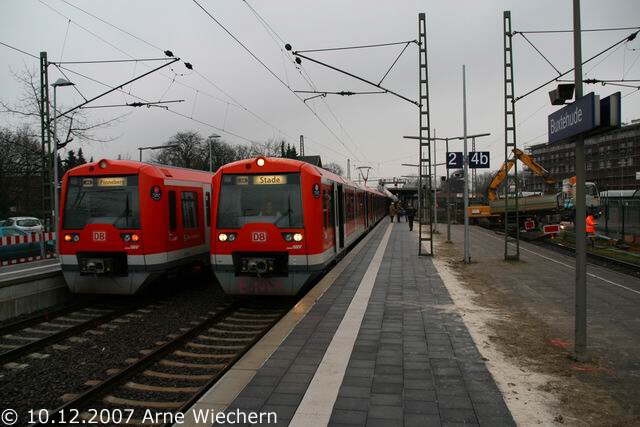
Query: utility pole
<point x="448" y="197"/>
<point x="47" y="160"/>
<point x="435" y="187"/>
<point x="467" y="255"/>
<point x="580" y="218"/>
<point x="348" y="168"/>
<point x="302" y="145"/>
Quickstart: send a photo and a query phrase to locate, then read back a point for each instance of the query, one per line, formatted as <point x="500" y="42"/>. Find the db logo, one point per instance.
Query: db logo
<point x="258" y="236"/>
<point x="99" y="236"/>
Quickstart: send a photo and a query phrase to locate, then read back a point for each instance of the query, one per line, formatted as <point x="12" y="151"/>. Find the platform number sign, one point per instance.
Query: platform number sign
<point x="454" y="159"/>
<point x="479" y="159"/>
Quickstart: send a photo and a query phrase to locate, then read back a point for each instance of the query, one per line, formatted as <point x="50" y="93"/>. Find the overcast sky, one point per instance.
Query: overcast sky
<point x="368" y="128"/>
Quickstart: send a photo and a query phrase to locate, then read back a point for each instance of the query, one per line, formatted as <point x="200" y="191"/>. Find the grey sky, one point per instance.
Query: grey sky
<point x="371" y="126"/>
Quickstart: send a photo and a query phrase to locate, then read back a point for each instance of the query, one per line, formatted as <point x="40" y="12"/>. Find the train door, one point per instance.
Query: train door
<point x="174" y="236"/>
<point x="192" y="218"/>
<point x="365" y="196"/>
<point x="340" y="221"/>
<point x="207" y="215"/>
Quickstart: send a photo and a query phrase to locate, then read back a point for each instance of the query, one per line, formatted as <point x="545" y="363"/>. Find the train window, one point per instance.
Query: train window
<point x="207" y="207"/>
<point x="248" y="199"/>
<point x="189" y="209"/>
<point x="102" y="200"/>
<point x="172" y="210"/>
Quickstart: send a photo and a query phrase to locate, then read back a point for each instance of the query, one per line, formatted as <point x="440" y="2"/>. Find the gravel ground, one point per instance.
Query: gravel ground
<point x="42" y="383"/>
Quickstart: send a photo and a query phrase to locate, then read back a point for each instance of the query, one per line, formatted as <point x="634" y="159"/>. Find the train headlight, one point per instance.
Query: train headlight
<point x="260" y="162"/>
<point x="232" y="237"/>
<point x="126" y="237"/>
<point x="76" y="237"/>
<point x="67" y="237"/>
<point x="102" y="164"/>
<point x="288" y="237"/>
<point x="297" y="237"/>
<point x="135" y="237"/>
<point x="223" y="237"/>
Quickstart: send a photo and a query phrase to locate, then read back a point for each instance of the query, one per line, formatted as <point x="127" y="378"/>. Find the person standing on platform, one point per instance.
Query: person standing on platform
<point x="411" y="213"/>
<point x="591" y="228"/>
<point x="392" y="211"/>
<point x="399" y="212"/>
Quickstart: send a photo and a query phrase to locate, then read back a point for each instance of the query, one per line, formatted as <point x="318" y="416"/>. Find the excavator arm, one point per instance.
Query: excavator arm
<point x="501" y="175"/>
<point x="498" y="178"/>
<point x="534" y="166"/>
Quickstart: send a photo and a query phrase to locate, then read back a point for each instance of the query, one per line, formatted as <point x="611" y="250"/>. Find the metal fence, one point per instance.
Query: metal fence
<point x="621" y="219"/>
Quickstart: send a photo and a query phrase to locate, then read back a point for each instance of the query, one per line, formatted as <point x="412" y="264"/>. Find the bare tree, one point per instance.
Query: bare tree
<point x="76" y="126"/>
<point x="334" y="167"/>
<point x="19" y="172"/>
<point x="190" y="151"/>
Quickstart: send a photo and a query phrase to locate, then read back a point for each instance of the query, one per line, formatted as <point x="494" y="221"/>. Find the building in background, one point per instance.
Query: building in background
<point x="612" y="160"/>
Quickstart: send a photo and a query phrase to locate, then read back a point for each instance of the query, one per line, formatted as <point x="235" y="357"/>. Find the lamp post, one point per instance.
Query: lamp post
<point x="214" y="136"/>
<point x="56" y="208"/>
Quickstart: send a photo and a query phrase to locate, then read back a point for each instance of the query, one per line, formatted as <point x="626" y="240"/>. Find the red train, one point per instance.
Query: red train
<point x="279" y="222"/>
<point x="125" y="223"/>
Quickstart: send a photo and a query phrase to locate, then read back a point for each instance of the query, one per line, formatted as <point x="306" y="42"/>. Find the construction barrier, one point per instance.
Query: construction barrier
<point x="42" y="238"/>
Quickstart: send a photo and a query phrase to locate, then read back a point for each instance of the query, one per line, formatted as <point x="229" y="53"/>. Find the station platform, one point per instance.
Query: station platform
<point x="377" y="342"/>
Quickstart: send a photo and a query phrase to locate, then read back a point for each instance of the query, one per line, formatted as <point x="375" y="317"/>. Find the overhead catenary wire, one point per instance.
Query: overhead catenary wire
<point x="75" y="87"/>
<point x="541" y="54"/>
<point x="628" y="38"/>
<point x="235" y="103"/>
<point x="102" y="39"/>
<point x="110" y="61"/>
<point x="166" y="109"/>
<point x="582" y="31"/>
<point x="329" y="49"/>
<point x="112" y="25"/>
<point x="64" y="43"/>
<point x="270" y="71"/>
<point x="20" y="50"/>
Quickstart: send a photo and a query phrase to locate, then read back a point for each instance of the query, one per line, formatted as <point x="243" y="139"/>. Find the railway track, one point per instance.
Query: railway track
<point x="28" y="336"/>
<point x="172" y="376"/>
<point x="597" y="259"/>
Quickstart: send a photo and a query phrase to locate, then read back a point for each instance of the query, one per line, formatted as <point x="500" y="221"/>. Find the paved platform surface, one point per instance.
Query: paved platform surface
<point x="543" y="282"/>
<point x="383" y="346"/>
<point x="24" y="271"/>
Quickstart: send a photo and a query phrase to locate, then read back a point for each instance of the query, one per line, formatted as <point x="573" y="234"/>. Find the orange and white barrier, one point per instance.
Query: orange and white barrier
<point x="30" y="238"/>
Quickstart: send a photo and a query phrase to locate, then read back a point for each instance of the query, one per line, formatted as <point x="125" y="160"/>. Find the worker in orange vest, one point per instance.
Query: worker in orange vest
<point x="591" y="228"/>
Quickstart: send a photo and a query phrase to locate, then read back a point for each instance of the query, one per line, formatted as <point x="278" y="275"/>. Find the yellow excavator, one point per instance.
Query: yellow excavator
<point x="496" y="206"/>
<point x="535" y="206"/>
<point x="501" y="175"/>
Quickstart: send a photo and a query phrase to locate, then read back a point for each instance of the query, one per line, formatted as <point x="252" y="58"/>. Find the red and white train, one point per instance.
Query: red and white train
<point x="279" y="222"/>
<point x="125" y="223"/>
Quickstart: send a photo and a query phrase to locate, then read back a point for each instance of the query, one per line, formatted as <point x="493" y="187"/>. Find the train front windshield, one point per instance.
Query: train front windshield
<point x="102" y="200"/>
<point x="246" y="199"/>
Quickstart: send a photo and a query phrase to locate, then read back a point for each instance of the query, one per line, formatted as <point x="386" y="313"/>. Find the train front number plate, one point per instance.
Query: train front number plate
<point x="99" y="236"/>
<point x="258" y="236"/>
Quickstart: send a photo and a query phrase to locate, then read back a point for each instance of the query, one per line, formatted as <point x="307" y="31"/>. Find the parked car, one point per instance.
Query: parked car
<point x="21" y="250"/>
<point x="28" y="224"/>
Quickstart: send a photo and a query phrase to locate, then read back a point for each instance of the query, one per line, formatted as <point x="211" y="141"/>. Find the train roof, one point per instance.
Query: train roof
<point x="291" y="165"/>
<point x="115" y="167"/>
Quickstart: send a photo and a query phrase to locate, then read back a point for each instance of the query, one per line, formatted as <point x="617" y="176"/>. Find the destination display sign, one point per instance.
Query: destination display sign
<point x="112" y="181"/>
<point x="269" y="179"/>
<point x="574" y="119"/>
